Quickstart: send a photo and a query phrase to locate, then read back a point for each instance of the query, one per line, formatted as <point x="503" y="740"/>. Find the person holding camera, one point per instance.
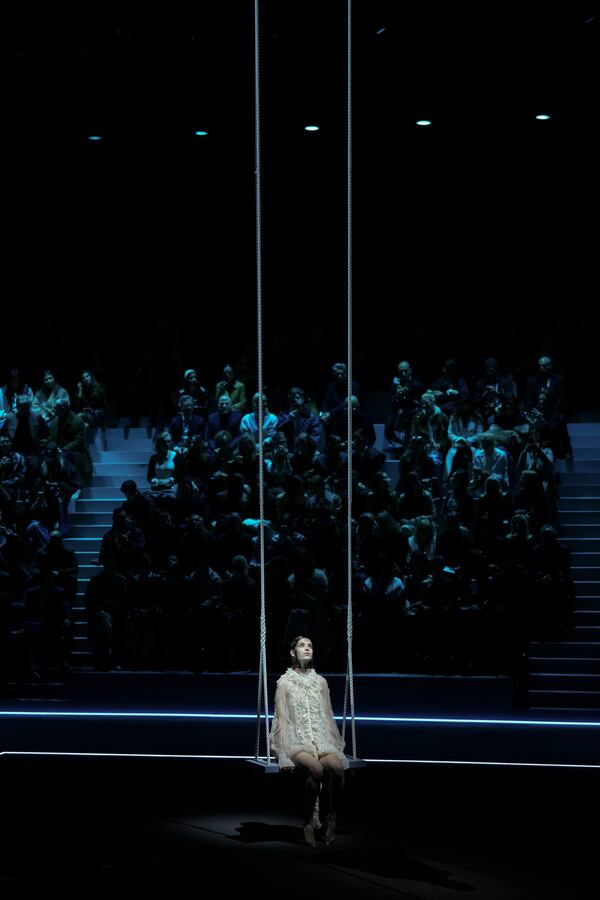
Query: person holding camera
<point x="405" y="401"/>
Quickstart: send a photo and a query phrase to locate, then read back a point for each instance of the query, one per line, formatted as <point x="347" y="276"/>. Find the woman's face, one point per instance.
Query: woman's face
<point x="303" y="652"/>
<point x="86" y="379"/>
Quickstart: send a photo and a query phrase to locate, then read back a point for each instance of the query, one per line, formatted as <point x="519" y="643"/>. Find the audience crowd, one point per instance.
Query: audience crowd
<point x="456" y="562"/>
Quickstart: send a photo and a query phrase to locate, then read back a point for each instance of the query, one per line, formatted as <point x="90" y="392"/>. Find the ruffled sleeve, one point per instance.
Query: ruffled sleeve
<point x="282" y="729"/>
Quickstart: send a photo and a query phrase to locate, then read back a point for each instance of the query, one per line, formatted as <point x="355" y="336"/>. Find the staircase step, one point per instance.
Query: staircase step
<point x="115" y="481"/>
<point x="144" y="421"/>
<point x="580" y="429"/>
<point x="576" y="504"/>
<point x="586" y="452"/>
<point x="97" y="506"/>
<point x="124" y="470"/>
<point x="585" y="633"/>
<point x="564" y="699"/>
<point x="585" y="573"/>
<point x="87" y="569"/>
<point x="587" y="588"/>
<point x="140" y="445"/>
<point x="576" y="478"/>
<point x="589" y="603"/>
<point x="84" y="547"/>
<point x="579" y="440"/>
<point x="552" y="681"/>
<point x="580" y="648"/>
<point x="586" y="531"/>
<point x="91" y="518"/>
<point x="106" y="492"/>
<point x="88" y="531"/>
<point x="577" y="544"/>
<point x="125" y="457"/>
<point x="566" y="665"/>
<point x="582" y="559"/>
<point x="585" y="616"/>
<point x="579" y="516"/>
<point x="578" y="466"/>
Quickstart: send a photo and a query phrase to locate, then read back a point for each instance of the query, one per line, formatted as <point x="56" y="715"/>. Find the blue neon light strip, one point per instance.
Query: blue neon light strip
<point x="432" y="762"/>
<point x="110" y="714"/>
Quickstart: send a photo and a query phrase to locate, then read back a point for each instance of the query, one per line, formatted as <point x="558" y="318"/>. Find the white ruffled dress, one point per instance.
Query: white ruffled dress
<point x="303" y="719"/>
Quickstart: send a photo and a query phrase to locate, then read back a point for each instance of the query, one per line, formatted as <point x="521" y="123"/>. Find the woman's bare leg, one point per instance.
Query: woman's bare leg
<point x="334" y="768"/>
<point x="314" y="776"/>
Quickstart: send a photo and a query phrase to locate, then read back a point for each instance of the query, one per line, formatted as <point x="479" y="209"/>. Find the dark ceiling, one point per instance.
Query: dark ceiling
<point x="488" y="201"/>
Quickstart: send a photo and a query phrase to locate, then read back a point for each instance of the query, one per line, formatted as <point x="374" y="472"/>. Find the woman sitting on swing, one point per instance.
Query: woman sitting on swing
<point x="305" y="736"/>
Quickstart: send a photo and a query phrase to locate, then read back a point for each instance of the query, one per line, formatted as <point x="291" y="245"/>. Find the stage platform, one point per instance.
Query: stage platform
<point x="446" y="720"/>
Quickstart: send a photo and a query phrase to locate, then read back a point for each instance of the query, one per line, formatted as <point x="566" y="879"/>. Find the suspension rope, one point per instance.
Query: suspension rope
<point x="349" y="688"/>
<point x="262" y="665"/>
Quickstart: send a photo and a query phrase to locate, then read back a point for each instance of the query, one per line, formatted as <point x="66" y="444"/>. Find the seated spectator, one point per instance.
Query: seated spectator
<point x="235" y="390"/>
<point x="465" y="423"/>
<point x="139" y="507"/>
<point x="304" y="459"/>
<point x="200" y="461"/>
<point x="360" y="419"/>
<point x="490" y="459"/>
<point x="320" y="499"/>
<point x="454" y="541"/>
<point x="492" y="513"/>
<point x="26" y="430"/>
<point x="62" y="563"/>
<point x="123" y="545"/>
<point x="106" y="601"/>
<point x="191" y="387"/>
<point x="45" y="399"/>
<point x="458" y="499"/>
<point x="381" y="496"/>
<point x="551" y="564"/>
<point x="249" y="424"/>
<point x="10" y="392"/>
<point x="223" y="454"/>
<point x="164" y="468"/>
<point x="423" y="542"/>
<point x="405" y="401"/>
<point x="492" y="391"/>
<point x="299" y="419"/>
<point x="280" y="467"/>
<point x="224" y="419"/>
<point x="366" y="460"/>
<point x="90" y="403"/>
<point x="450" y="390"/>
<point x="48" y="622"/>
<point x="531" y="499"/>
<point x="336" y="393"/>
<point x="13" y="470"/>
<point x="186" y="424"/>
<point x="68" y="430"/>
<point x="545" y="404"/>
<point x="333" y="463"/>
<point x="537" y="456"/>
<point x="459" y="456"/>
<point x="414" y="501"/>
<point x="61" y="481"/>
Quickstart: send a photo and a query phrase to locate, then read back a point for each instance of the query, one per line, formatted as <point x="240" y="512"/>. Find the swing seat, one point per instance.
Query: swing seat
<point x="267" y="768"/>
<point x="356" y="763"/>
<point x="273" y="769"/>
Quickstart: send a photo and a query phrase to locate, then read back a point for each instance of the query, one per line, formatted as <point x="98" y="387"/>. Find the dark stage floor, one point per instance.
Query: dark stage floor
<point x="75" y="828"/>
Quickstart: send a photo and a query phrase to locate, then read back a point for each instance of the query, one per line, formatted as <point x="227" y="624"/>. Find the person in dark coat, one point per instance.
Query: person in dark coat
<point x="184" y="426"/>
<point x="27" y="430"/>
<point x="225" y="419"/>
<point x="68" y="430"/>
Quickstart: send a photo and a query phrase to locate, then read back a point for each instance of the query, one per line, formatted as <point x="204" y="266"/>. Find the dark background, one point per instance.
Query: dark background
<point x="474" y="237"/>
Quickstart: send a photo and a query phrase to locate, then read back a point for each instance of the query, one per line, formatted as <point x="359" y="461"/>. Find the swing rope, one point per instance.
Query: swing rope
<point x="349" y="687"/>
<point x="263" y="694"/>
<point x="263" y="700"/>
